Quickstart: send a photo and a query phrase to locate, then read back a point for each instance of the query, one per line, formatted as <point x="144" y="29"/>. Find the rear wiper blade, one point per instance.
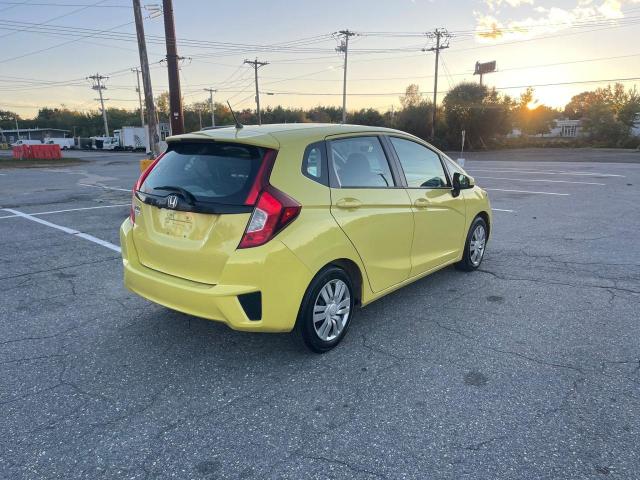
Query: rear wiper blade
<point x="188" y="196"/>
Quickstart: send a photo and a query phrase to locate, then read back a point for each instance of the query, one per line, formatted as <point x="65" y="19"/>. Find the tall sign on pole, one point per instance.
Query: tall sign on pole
<point x="175" y="97"/>
<point x="152" y="118"/>
<point x="484" y="68"/>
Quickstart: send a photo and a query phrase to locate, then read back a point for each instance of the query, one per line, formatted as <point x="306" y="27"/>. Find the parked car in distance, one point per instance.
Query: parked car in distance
<point x="26" y="142"/>
<point x="64" y="143"/>
<point x="279" y="227"/>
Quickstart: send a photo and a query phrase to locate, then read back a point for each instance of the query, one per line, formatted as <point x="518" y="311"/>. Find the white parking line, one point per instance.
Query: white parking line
<point x="71" y="210"/>
<point x="538" y="180"/>
<point x="501" y="210"/>
<point x="545" y="172"/>
<point x="527" y="191"/>
<point x="70" y="231"/>
<point x="105" y="187"/>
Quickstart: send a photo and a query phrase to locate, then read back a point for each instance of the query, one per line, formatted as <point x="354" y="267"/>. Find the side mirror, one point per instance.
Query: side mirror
<point x="460" y="182"/>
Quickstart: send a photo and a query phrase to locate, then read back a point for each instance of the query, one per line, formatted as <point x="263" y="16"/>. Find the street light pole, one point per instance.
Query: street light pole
<point x="175" y="97"/>
<point x="344" y="48"/>
<point x="153" y="136"/>
<point x="99" y="86"/>
<point x="213" y="117"/>
<point x="439" y="35"/>
<point x="137" y="70"/>
<point x="257" y="64"/>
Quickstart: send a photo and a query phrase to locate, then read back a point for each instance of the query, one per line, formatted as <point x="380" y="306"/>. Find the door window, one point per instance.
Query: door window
<point x="422" y="167"/>
<point x="360" y="162"/>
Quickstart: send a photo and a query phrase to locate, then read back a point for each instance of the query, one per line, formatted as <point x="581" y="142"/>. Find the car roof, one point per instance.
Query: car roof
<point x="271" y="135"/>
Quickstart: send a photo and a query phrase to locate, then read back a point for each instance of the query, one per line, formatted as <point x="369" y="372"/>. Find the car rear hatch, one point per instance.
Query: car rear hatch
<point x="194" y="205"/>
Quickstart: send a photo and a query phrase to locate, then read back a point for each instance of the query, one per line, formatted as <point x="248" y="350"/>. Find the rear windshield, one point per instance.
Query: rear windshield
<point x="211" y="172"/>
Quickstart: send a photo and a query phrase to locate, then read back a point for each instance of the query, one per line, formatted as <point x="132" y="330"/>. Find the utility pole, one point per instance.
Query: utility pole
<point x="175" y="97"/>
<point x="344" y="48"/>
<point x="213" y="117"/>
<point x="152" y="118"/>
<point x="137" y="70"/>
<point x="257" y="64"/>
<point x="99" y="86"/>
<point x="442" y="41"/>
<point x="200" y="117"/>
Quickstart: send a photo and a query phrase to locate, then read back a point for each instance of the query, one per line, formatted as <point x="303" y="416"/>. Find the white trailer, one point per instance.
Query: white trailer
<point x="64" y="143"/>
<point x="132" y="138"/>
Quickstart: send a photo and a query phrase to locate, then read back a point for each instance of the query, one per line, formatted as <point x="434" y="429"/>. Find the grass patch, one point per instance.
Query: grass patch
<point x="9" y="162"/>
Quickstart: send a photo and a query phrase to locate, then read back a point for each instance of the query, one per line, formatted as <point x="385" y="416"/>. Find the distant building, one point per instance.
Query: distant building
<point x="11" y="136"/>
<point x="566" y="128"/>
<point x="561" y="128"/>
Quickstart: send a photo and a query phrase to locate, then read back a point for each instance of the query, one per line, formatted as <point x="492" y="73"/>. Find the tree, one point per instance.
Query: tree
<point x="481" y="112"/>
<point x="533" y="121"/>
<point x="602" y="126"/>
<point x="412" y="96"/>
<point x="367" y="116"/>
<point x="416" y="119"/>
<point x="607" y="113"/>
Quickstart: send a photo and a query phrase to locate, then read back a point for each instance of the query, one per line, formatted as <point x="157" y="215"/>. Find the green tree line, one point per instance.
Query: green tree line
<point x="487" y="117"/>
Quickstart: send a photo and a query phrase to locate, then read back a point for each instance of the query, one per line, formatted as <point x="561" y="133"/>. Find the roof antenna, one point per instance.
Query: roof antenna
<point x="235" y="119"/>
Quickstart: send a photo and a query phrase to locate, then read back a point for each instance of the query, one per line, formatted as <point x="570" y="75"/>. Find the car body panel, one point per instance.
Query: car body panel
<point x="194" y="246"/>
<point x="249" y="270"/>
<point x="379" y="223"/>
<point x="439" y="232"/>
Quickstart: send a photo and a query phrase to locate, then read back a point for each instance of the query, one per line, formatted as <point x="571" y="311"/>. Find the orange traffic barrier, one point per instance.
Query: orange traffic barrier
<point x="39" y="152"/>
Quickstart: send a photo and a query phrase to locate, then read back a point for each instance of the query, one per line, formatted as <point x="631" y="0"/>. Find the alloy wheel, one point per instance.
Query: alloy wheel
<point x="331" y="310"/>
<point x="476" y="246"/>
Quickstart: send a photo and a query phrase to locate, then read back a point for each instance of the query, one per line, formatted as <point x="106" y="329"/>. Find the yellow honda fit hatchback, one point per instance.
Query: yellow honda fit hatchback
<point x="275" y="227"/>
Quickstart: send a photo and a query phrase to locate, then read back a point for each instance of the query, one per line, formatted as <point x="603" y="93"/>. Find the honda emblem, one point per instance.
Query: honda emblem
<point x="172" y="201"/>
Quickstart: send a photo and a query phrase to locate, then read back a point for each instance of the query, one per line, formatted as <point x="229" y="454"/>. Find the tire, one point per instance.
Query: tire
<point x="330" y="287"/>
<point x="472" y="257"/>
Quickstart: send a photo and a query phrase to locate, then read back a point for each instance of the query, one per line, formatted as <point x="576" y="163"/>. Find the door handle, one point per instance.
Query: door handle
<point x="421" y="203"/>
<point x="348" y="203"/>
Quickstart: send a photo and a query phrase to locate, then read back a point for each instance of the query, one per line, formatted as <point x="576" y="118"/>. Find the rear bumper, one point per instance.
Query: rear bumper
<point x="272" y="269"/>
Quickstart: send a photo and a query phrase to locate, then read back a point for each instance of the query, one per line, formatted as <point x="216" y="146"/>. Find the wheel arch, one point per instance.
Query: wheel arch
<point x="487" y="219"/>
<point x="353" y="270"/>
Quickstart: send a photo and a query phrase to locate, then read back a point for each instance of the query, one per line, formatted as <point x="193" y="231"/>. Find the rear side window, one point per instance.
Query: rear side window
<point x="314" y="163"/>
<point x="360" y="162"/>
<point x="211" y="172"/>
<point x="421" y="165"/>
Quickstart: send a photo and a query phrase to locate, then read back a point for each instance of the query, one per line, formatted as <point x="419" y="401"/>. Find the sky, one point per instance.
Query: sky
<point x="48" y="47"/>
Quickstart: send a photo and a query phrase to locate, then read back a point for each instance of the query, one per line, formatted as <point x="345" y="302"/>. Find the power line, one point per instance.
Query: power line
<point x="32" y="4"/>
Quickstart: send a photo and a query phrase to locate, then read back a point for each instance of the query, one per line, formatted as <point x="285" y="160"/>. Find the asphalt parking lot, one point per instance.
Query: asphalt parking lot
<point x="526" y="369"/>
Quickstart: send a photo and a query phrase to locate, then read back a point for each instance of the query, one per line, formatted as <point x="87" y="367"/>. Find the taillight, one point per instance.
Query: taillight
<point x="262" y="177"/>
<point x="138" y="184"/>
<point x="273" y="212"/>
